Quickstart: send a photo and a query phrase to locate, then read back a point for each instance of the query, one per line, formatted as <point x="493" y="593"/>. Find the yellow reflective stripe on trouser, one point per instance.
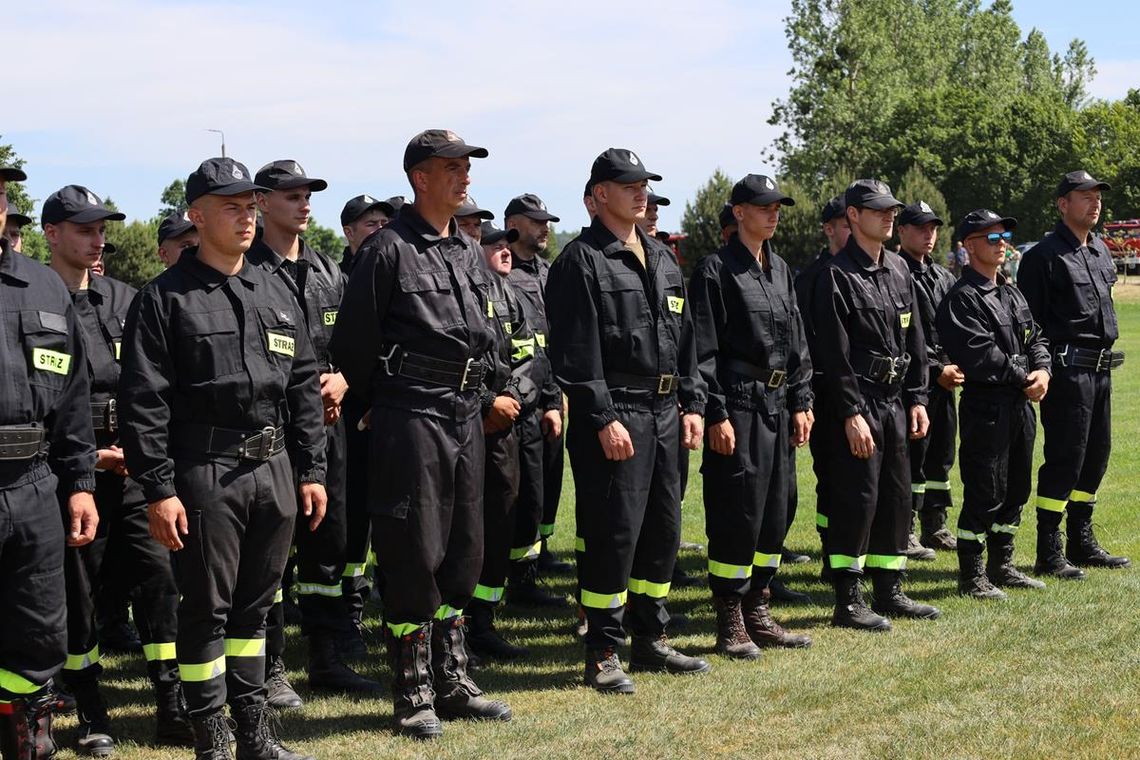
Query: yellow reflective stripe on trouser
<point x="487" y="593"/>
<point x="649" y="588"/>
<point x="886" y="561"/>
<point x="1050" y="505"/>
<point x="446" y="611"/>
<point x="847" y="562"/>
<point x="402" y="629"/>
<point x="245" y="647"/>
<point x="918" y="488"/>
<point x="731" y="572"/>
<point x="202" y="671"/>
<point x="603" y="601"/>
<point x="579" y="544"/>
<point x="279" y="597"/>
<point x="82" y="661"/>
<point x="353" y="570"/>
<point x="17" y="684"/>
<point x="163" y="650"/>
<point x="759" y="559"/>
<point x="821" y="520"/>
<point x="319" y="589"/>
<point x="938" y="485"/>
<point x="1010" y="529"/>
<point x="525" y="552"/>
<point x="1082" y="497"/>
<point x="966" y="535"/>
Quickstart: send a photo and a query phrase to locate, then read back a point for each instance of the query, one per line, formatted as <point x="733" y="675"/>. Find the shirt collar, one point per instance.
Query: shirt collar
<point x="736" y="249"/>
<point x="918" y="267"/>
<point x="417" y="224"/>
<point x="207" y="275"/>
<point x="979" y="280"/>
<point x="860" y="257"/>
<point x="611" y="246"/>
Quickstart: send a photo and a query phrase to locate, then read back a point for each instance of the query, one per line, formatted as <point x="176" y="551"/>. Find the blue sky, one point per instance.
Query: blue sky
<point x="119" y="93"/>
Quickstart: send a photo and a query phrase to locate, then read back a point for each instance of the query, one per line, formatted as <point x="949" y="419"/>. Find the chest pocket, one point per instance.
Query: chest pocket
<point x="430" y="299"/>
<point x="1081" y="299"/>
<point x="113" y="333"/>
<point x="209" y="345"/>
<point x="1024" y="318"/>
<point x="279" y="336"/>
<point x="623" y="302"/>
<point x="44" y="335"/>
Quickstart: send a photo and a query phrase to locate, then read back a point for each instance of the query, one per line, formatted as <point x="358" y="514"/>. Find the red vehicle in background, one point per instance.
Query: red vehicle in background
<point x="1123" y="241"/>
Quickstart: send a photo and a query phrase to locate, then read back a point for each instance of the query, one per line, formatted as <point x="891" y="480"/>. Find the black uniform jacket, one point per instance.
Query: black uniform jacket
<point x="512" y="362"/>
<point x="425" y="293"/>
<point x="805" y="290"/>
<point x="1069" y="290"/>
<point x="932" y="282"/>
<point x="608" y="314"/>
<point x="528" y="279"/>
<point x="863" y="308"/>
<point x="984" y="327"/>
<point x="43" y="371"/>
<point x="747" y="313"/>
<point x="203" y="348"/>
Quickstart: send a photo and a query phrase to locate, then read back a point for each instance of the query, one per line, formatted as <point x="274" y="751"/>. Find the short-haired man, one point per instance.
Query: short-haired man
<point x="176" y="233"/>
<point x="470" y="218"/>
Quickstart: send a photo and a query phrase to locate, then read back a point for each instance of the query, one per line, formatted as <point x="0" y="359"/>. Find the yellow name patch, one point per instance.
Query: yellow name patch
<point x="540" y="338"/>
<point x="904" y="319"/>
<point x="329" y="318"/>
<point x="118" y="350"/>
<point x="51" y="361"/>
<point x="490" y="309"/>
<point x="675" y="303"/>
<point x="280" y="344"/>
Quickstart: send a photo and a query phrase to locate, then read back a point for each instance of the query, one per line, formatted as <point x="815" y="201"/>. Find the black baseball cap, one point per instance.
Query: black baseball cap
<point x="397" y="202"/>
<point x="658" y="200"/>
<point x="1080" y="180"/>
<point x="620" y="165"/>
<point x="12" y="174"/>
<point x="471" y="208"/>
<point x="919" y="213"/>
<point x="589" y="188"/>
<point x="173" y="226"/>
<point x="980" y="219"/>
<point x="361" y="205"/>
<point x="872" y="194"/>
<point x="109" y="248"/>
<point x="663" y="236"/>
<point x="438" y="142"/>
<point x="77" y="204"/>
<point x="530" y="206"/>
<point x="220" y="176"/>
<point x="17" y="220"/>
<point x="492" y="234"/>
<point x="726" y="218"/>
<point x="759" y="190"/>
<point x="833" y="209"/>
<point x="286" y="175"/>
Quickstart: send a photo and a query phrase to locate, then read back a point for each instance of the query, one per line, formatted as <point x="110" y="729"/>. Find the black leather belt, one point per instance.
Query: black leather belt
<point x="242" y="444"/>
<point x="888" y="370"/>
<point x="772" y="378"/>
<point x="21" y="442"/>
<point x="662" y="385"/>
<point x="1103" y="360"/>
<point x="462" y="376"/>
<point x="105" y="416"/>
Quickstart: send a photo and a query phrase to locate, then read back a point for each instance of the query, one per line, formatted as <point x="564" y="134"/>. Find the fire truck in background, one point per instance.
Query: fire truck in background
<point x="1123" y="241"/>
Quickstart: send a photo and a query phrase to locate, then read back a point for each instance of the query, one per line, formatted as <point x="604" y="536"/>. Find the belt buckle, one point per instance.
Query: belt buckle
<point x="466" y="373"/>
<point x="111" y="416"/>
<point x="665" y="384"/>
<point x="1103" y="360"/>
<point x="264" y="448"/>
<point x="892" y="369"/>
<point x="386" y="360"/>
<point x="1062" y="357"/>
<point x="776" y="379"/>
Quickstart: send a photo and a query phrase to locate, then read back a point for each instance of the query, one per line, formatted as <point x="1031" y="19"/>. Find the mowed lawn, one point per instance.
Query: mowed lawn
<point x="1054" y="673"/>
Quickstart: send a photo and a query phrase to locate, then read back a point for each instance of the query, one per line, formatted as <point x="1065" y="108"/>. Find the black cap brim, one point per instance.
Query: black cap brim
<point x="95" y="215"/>
<point x="659" y="200"/>
<point x="18" y="220"/>
<point x="881" y="202"/>
<point x="314" y="184"/>
<point x="238" y="188"/>
<point x="633" y="176"/>
<point x="763" y="199"/>
<point x="461" y="150"/>
<point x="964" y="231"/>
<point x="511" y="236"/>
<point x="539" y="216"/>
<point x="1091" y="185"/>
<point x="176" y="232"/>
<point x="12" y="174"/>
<point x="922" y="219"/>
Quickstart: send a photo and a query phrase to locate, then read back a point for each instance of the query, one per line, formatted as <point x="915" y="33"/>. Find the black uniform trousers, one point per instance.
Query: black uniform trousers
<point x="869" y="519"/>
<point x="33" y="638"/>
<point x="746" y="497"/>
<point x="501" y="478"/>
<point x="629" y="521"/>
<point x="427" y="514"/>
<point x="819" y="446"/>
<point x="528" y="513"/>
<point x="553" y="462"/>
<point x="996" y="461"/>
<point x="1076" y="414"/>
<point x="357" y="520"/>
<point x="146" y="570"/>
<point x="932" y="457"/>
<point x="241" y="516"/>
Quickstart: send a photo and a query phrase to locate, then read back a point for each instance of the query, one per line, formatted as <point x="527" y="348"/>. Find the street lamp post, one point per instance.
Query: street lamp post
<point x="223" y="134"/>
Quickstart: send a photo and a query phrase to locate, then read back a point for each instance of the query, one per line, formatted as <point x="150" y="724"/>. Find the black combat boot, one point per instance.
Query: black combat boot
<point x="935" y="534"/>
<point x="999" y="564"/>
<point x="549" y="564"/>
<point x="763" y="630"/>
<point x="350" y="642"/>
<point x="256" y="734"/>
<point x="279" y="693"/>
<point x="914" y="548"/>
<point x="172" y="725"/>
<point x="523" y="587"/>
<point x="94" y="738"/>
<point x="781" y="592"/>
<point x="1083" y="548"/>
<point x="482" y="636"/>
<point x="850" y="609"/>
<point x="25" y="728"/>
<point x="604" y="672"/>
<point x="456" y="695"/>
<point x="327" y="671"/>
<point x="653" y="653"/>
<point x="413" y="701"/>
<point x="890" y="599"/>
<point x="212" y="737"/>
<point x="732" y="639"/>
<point x="1050" y="559"/>
<point x="972" y="579"/>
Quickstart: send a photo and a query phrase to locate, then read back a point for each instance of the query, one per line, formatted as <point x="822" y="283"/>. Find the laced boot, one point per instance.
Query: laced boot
<point x="256" y="733"/>
<point x="604" y="673"/>
<point x="763" y="630"/>
<point x="523" y="587"/>
<point x="972" y="579"/>
<point x="999" y="564"/>
<point x="280" y="694"/>
<point x="935" y="534"/>
<point x="1050" y="559"/>
<point x="914" y="548"/>
<point x="484" y="639"/>
<point x="850" y="609"/>
<point x="890" y="599"/>
<point x="172" y="725"/>
<point x="212" y="737"/>
<point x="327" y="671"/>
<point x="653" y="653"/>
<point x="1083" y="548"/>
<point x="732" y="639"/>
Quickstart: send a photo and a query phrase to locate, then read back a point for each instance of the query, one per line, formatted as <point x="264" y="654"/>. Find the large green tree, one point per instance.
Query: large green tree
<point x="700" y="222"/>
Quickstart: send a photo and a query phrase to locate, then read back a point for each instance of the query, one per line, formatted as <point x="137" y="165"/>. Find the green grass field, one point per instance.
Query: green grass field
<point x="1053" y="673"/>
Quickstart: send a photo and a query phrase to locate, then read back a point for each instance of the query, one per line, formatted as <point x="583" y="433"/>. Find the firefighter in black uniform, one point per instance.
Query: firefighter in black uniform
<point x="622" y="348"/>
<point x="46" y="444"/>
<point x="508" y="396"/>
<point x="931" y="457"/>
<point x="988" y="332"/>
<point x="74" y="220"/>
<point x="470" y="218"/>
<point x="836" y="231"/>
<point x="540" y="434"/>
<point x="870" y="350"/>
<point x="754" y="359"/>
<point x="218" y="375"/>
<point x="1067" y="279"/>
<point x="176" y="233"/>
<point x="412" y="333"/>
<point x="318" y="285"/>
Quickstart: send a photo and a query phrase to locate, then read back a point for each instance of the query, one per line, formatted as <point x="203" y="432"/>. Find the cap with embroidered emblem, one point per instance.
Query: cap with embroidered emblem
<point x="620" y="165"/>
<point x="530" y="206"/>
<point x="220" y="176"/>
<point x="77" y="204"/>
<point x="1080" y="180"/>
<point x="438" y="143"/>
<point x="286" y="175"/>
<point x="919" y="213"/>
<point x="870" y="193"/>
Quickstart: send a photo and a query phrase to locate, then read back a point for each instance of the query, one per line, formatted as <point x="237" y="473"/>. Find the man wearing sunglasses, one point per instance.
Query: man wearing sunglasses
<point x="988" y="332"/>
<point x="1067" y="279"/>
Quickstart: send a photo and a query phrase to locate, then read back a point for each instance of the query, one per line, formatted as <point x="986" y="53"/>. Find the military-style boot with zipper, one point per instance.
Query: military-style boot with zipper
<point x="456" y="695"/>
<point x="413" y="701"/>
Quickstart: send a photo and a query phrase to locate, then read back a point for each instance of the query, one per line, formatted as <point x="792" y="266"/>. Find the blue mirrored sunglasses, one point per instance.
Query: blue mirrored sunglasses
<point x="995" y="237"/>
